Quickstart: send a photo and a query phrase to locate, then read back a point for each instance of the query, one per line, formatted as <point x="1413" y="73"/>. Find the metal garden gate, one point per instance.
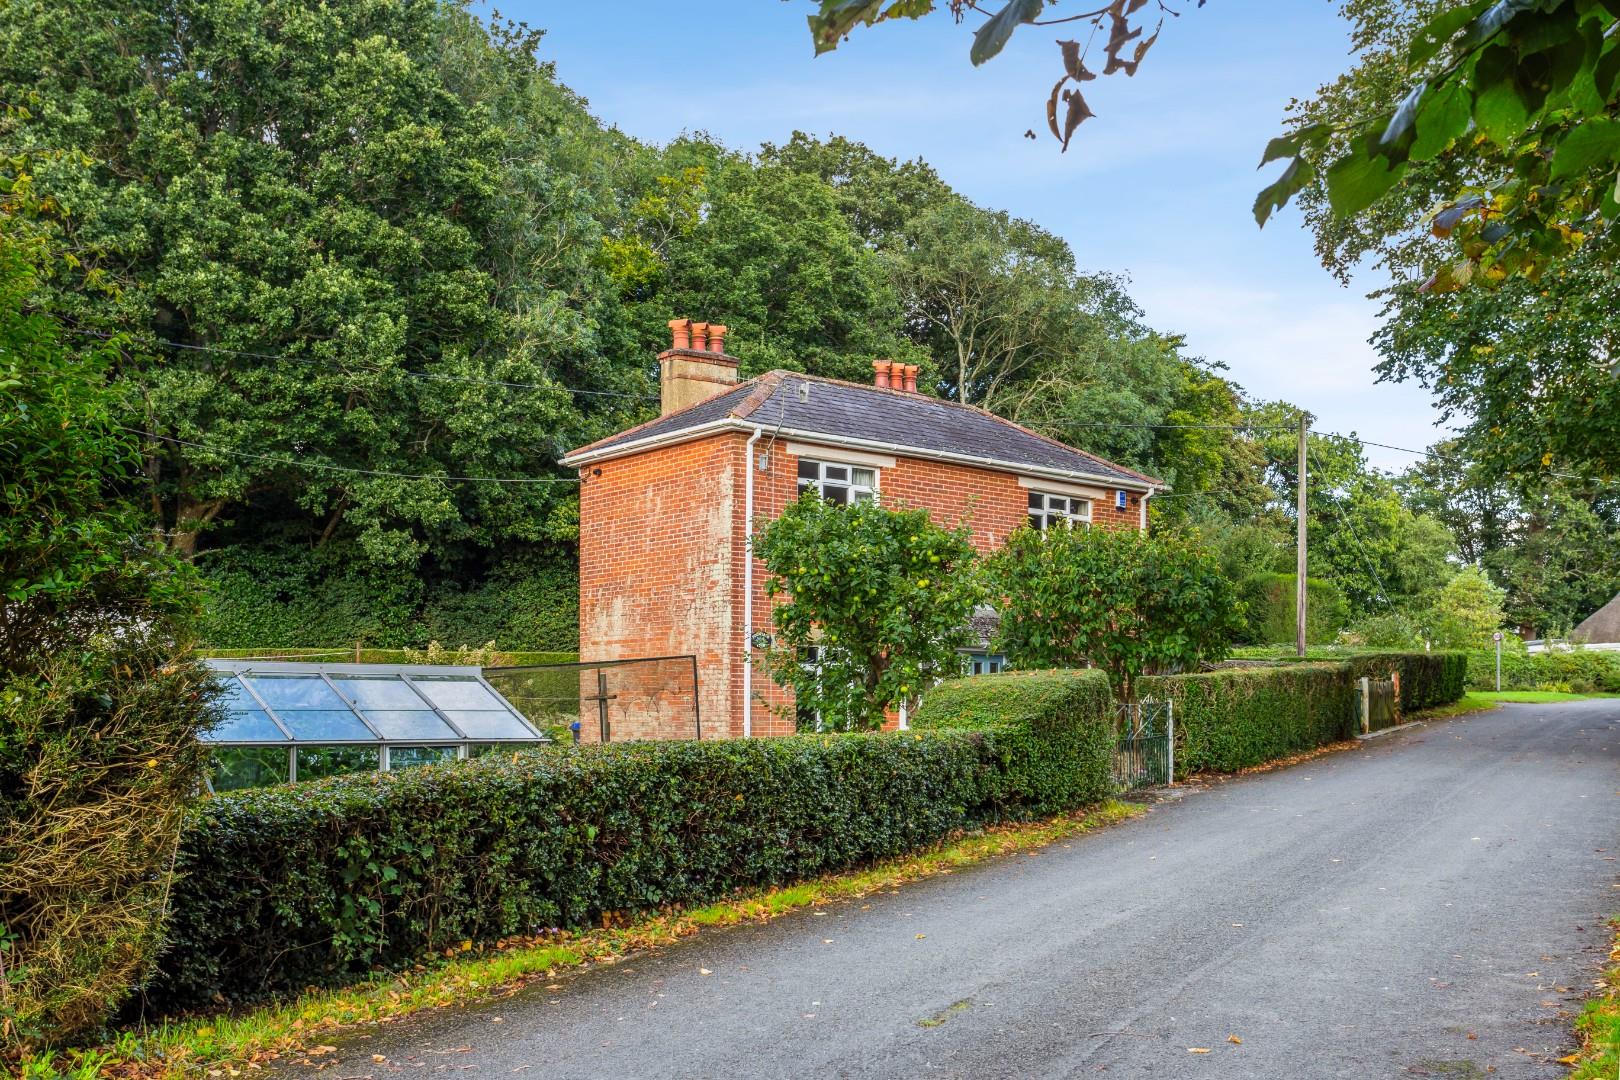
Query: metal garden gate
<point x="1146" y="751"/>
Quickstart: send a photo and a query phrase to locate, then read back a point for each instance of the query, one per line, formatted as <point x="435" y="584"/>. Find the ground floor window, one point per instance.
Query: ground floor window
<point x="841" y="484"/>
<point x="983" y="663"/>
<point x="1047" y="510"/>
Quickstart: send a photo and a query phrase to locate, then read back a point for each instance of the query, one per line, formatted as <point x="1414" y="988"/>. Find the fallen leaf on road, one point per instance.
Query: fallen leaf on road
<point x="1197" y="1049"/>
<point x="1570" y="1060"/>
<point x="1234" y="1040"/>
<point x="921" y="936"/>
<point x="704" y="971"/>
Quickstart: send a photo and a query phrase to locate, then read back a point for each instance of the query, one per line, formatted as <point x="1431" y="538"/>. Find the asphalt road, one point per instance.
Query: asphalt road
<point x="1430" y="904"/>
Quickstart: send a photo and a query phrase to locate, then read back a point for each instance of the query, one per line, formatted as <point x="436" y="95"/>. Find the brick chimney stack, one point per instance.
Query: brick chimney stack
<point x="695" y="367"/>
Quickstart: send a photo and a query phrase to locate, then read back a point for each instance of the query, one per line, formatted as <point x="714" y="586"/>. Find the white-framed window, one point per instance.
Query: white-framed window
<point x="841" y="484"/>
<point x="1047" y="510"/>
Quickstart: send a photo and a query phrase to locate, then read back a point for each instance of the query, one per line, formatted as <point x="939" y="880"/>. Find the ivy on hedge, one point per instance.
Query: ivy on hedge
<point x="315" y="884"/>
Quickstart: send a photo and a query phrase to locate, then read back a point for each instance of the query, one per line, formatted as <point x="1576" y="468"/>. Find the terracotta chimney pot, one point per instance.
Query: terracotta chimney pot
<point x="717" y="338"/>
<point x="911" y="378"/>
<point x="880" y="372"/>
<point x="681" y="331"/>
<point x="700" y="336"/>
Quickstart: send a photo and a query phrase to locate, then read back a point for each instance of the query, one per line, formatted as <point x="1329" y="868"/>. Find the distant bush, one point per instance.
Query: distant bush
<point x="1581" y="671"/>
<point x="1270" y="603"/>
<point x="283" y="888"/>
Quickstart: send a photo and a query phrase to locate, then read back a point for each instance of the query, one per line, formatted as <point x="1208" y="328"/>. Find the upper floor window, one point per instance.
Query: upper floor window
<point x="1047" y="510"/>
<point x="841" y="484"/>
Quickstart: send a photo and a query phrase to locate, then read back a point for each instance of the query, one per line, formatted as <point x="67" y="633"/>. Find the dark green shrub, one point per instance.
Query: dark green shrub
<point x="278" y="596"/>
<point x="318" y="883"/>
<point x="1270" y="603"/>
<point x="1056" y="728"/>
<point x="504" y="657"/>
<point x="1237" y="717"/>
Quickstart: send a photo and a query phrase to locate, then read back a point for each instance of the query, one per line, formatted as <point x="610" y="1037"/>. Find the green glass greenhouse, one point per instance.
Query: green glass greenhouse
<point x="293" y="721"/>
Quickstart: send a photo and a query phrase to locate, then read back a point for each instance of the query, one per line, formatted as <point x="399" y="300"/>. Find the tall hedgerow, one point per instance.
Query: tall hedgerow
<point x="98" y="748"/>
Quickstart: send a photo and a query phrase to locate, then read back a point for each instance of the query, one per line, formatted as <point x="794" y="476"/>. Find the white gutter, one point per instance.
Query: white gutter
<point x="897" y="449"/>
<point x="748" y="584"/>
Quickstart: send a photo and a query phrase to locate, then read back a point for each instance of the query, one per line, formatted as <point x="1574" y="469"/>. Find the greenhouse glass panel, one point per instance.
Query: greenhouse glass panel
<point x="236" y="697"/>
<point x="325" y="725"/>
<point x="238" y="767"/>
<point x="408" y="757"/>
<point x="409" y="725"/>
<point x="490" y="725"/>
<point x="292" y="692"/>
<point x="245" y="726"/>
<point x="315" y="762"/>
<point x="458" y="692"/>
<point x="379" y="692"/>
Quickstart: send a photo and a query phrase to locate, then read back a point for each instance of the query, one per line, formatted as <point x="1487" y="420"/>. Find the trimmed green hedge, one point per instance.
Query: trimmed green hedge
<point x="1237" y="717"/>
<point x="1242" y="716"/>
<point x="1055" y="732"/>
<point x="315" y="884"/>
<point x="1270" y="602"/>
<point x="1428" y="679"/>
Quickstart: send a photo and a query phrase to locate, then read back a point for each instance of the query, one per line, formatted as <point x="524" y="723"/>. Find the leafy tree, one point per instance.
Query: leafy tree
<point x="882" y="595"/>
<point x="1477" y="139"/>
<point x="357" y="202"/>
<point x="798" y="288"/>
<point x="1124" y="601"/>
<point x="1553" y="545"/>
<point x="1467" y="611"/>
<point x="1500" y="243"/>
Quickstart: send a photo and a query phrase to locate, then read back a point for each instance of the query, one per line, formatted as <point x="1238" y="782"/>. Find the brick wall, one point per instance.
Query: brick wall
<point x="663" y="541"/>
<point x="656" y="535"/>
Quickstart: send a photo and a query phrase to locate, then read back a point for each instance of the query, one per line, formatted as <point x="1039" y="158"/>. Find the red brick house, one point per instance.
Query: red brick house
<point x="665" y="507"/>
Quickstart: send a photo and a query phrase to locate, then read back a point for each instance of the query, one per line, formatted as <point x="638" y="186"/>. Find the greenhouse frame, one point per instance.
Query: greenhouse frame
<point x="301" y="721"/>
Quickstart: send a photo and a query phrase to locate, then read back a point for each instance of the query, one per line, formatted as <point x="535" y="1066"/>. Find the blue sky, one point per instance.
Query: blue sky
<point x="1158" y="187"/>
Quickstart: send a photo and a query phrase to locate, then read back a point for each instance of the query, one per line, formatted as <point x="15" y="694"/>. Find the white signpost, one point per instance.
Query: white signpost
<point x="1498" y="637"/>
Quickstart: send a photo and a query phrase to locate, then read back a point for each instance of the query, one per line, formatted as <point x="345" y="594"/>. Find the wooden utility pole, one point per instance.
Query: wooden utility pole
<point x="1299" y="585"/>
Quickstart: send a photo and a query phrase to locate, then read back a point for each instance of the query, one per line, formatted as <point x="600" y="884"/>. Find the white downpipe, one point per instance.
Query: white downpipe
<point x="748" y="585"/>
<point x="1146" y="495"/>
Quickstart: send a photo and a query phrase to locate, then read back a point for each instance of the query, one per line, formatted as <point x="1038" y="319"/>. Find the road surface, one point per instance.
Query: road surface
<point x="1430" y="904"/>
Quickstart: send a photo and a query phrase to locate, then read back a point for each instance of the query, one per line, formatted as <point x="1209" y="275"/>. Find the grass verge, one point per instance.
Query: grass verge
<point x="1599" y="1025"/>
<point x="1534" y="697"/>
<point x="231" y="1045"/>
<point x="1471" y="702"/>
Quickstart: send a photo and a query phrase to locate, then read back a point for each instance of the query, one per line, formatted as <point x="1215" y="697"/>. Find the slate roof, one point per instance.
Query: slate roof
<point x="875" y="414"/>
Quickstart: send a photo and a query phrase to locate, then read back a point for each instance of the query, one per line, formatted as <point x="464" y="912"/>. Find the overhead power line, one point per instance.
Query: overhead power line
<point x="1450" y="457"/>
<point x="296" y="463"/>
<point x="313" y="362"/>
